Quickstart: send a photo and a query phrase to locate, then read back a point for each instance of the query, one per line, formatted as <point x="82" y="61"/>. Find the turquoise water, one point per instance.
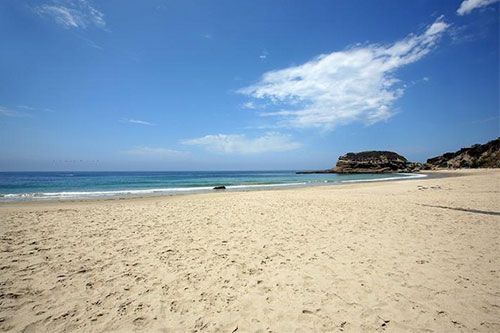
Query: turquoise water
<point x="15" y="186"/>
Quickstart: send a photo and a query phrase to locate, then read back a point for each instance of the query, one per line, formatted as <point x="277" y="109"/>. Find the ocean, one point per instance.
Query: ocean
<point x="27" y="186"/>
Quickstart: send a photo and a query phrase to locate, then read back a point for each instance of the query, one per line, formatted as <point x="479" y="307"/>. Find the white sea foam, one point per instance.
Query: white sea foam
<point x="406" y="176"/>
<point x="118" y="193"/>
<point x="105" y="193"/>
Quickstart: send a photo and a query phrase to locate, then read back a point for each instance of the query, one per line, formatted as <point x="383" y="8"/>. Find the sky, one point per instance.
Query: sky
<point x="242" y="85"/>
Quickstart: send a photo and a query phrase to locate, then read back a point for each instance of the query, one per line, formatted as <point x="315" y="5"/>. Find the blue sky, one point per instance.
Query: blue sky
<point x="241" y="85"/>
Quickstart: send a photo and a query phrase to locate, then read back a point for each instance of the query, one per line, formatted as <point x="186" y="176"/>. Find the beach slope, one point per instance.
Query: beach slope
<point x="399" y="256"/>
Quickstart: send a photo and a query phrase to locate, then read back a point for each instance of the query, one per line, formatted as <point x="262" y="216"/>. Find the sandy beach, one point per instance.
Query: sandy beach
<point x="401" y="256"/>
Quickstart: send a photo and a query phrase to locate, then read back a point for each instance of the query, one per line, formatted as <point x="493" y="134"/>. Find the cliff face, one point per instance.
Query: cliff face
<point x="374" y="162"/>
<point x="478" y="156"/>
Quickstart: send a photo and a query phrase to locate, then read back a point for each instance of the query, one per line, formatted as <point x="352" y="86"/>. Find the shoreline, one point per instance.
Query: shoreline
<point x="429" y="175"/>
<point x="230" y="189"/>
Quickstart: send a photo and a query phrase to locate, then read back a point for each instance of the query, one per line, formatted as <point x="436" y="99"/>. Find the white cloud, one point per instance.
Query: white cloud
<point x="469" y="5"/>
<point x="139" y="122"/>
<point x="263" y="55"/>
<point x="357" y="84"/>
<point x="249" y="105"/>
<point x="240" y="144"/>
<point x="144" y="151"/>
<point x="72" y="13"/>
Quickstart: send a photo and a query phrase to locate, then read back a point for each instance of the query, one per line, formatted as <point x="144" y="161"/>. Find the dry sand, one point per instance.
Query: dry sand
<point x="415" y="255"/>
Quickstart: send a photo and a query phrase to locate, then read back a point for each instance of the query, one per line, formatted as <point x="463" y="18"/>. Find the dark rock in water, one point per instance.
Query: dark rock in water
<point x="219" y="187"/>
<point x="370" y="162"/>
<point x="477" y="156"/>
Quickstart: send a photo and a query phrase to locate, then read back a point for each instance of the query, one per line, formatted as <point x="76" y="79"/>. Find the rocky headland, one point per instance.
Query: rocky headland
<point x="371" y="162"/>
<point x="477" y="156"/>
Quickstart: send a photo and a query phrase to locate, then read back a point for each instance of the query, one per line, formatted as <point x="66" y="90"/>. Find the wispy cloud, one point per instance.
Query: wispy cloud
<point x="357" y="84"/>
<point x="72" y="13"/>
<point x="156" y="152"/>
<point x="89" y="42"/>
<point x="31" y="109"/>
<point x="8" y="112"/>
<point x="249" y="105"/>
<point x="263" y="55"/>
<point x="485" y="120"/>
<point x="26" y="107"/>
<point x="137" y="121"/>
<point x="240" y="144"/>
<point x="468" y="6"/>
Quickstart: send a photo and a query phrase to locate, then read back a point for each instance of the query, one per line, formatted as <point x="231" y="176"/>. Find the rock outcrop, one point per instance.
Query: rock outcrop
<point x="371" y="162"/>
<point x="478" y="156"/>
<point x="374" y="162"/>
